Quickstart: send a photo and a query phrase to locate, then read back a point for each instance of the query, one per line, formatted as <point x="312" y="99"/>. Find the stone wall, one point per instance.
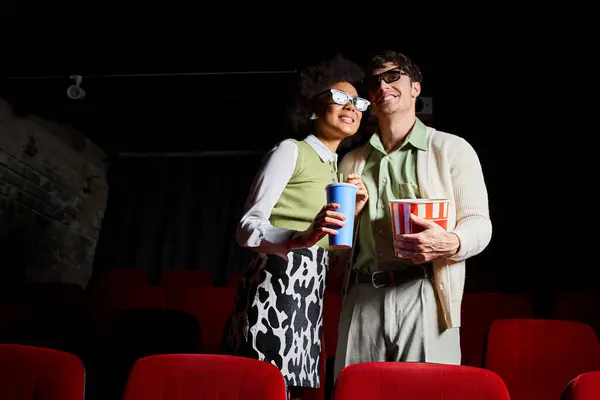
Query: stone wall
<point x="53" y="194"/>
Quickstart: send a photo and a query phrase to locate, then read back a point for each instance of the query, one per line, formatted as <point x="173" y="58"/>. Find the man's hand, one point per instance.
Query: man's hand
<point x="432" y="243"/>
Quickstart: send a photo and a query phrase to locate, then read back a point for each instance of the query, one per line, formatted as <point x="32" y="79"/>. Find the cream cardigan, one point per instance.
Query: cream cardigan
<point x="450" y="168"/>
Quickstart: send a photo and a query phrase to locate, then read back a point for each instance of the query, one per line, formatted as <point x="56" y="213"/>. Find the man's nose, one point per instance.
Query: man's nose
<point x="380" y="86"/>
<point x="383" y="84"/>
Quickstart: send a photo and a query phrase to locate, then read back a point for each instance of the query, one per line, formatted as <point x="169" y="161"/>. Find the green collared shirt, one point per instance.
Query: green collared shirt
<point x="386" y="177"/>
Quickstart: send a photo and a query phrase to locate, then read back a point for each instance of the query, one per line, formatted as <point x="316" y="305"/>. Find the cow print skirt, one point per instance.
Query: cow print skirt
<point x="278" y="314"/>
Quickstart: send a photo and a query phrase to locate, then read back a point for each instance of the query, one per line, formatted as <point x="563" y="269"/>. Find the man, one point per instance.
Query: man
<point x="407" y="308"/>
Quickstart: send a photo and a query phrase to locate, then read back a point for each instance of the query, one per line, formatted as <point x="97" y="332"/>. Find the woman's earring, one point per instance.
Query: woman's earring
<point x="313" y="116"/>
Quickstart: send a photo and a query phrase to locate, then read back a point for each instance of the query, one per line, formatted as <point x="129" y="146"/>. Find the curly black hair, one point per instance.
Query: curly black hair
<point x="314" y="80"/>
<point x="378" y="60"/>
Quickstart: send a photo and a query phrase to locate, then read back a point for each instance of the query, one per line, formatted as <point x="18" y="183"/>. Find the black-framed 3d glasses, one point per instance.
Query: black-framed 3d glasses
<point x="342" y="98"/>
<point x="372" y="82"/>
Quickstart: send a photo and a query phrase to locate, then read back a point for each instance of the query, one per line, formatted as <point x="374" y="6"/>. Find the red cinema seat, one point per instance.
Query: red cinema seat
<point x="212" y="307"/>
<point x="30" y="373"/>
<point x="105" y="304"/>
<point x="537" y="358"/>
<point x="417" y="381"/>
<point x="580" y="307"/>
<point x="584" y="387"/>
<point x="478" y="312"/>
<point x="204" y="376"/>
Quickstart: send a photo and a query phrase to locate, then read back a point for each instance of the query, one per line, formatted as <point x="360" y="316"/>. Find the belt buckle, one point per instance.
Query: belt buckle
<point x="373" y="279"/>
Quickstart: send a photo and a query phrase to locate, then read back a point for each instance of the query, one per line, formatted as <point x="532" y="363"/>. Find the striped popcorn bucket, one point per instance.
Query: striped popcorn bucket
<point x="431" y="209"/>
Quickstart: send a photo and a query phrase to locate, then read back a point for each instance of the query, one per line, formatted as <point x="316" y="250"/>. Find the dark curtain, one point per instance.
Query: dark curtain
<point x="176" y="213"/>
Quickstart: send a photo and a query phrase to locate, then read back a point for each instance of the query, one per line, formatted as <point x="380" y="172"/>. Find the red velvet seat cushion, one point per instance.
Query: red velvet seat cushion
<point x="410" y="380"/>
<point x="204" y="376"/>
<point x="537" y="358"/>
<point x="30" y="373"/>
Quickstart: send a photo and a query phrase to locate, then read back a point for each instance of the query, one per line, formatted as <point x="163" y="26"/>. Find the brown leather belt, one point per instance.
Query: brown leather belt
<point x="381" y="279"/>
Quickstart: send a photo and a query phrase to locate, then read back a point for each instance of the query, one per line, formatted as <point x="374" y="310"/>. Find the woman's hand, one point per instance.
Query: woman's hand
<point x="324" y="223"/>
<point x="362" y="196"/>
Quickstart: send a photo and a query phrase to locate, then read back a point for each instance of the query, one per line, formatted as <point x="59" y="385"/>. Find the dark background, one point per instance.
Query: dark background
<point x="180" y="211"/>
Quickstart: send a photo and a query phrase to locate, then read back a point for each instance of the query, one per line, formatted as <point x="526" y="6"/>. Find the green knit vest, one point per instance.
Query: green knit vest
<point x="304" y="195"/>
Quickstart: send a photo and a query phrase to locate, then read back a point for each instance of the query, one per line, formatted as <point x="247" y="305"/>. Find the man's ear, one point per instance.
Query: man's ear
<point x="416" y="89"/>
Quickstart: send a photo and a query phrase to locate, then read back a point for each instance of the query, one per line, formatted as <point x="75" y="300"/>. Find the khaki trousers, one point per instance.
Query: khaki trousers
<point x="398" y="323"/>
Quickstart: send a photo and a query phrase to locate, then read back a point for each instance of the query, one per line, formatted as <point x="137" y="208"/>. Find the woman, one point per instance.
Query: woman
<point x="277" y="315"/>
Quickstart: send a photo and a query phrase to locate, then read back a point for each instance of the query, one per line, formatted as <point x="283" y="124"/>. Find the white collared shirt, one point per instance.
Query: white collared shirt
<point x="254" y="230"/>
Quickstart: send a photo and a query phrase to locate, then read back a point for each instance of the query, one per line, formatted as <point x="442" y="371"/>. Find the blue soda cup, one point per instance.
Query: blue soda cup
<point x="343" y="194"/>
